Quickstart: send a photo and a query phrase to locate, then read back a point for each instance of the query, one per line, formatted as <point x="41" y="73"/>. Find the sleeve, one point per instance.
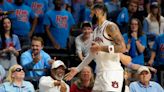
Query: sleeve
<point x="48" y="58"/>
<point x="131" y="87"/>
<point x="46" y="20"/>
<point x="143" y="41"/>
<point x="78" y="46"/>
<point x="31" y="87"/>
<point x="2" y="72"/>
<point x="2" y="88"/>
<point x="26" y="62"/>
<point x="145" y="26"/>
<point x="85" y="61"/>
<point x="156" y="43"/>
<point x="44" y="82"/>
<point x="17" y="44"/>
<point x="71" y="20"/>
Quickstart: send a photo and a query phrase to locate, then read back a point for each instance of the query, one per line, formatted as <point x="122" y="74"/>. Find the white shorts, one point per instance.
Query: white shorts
<point x="108" y="81"/>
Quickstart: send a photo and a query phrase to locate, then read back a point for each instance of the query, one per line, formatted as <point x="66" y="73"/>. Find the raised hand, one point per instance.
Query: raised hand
<point x="71" y="74"/>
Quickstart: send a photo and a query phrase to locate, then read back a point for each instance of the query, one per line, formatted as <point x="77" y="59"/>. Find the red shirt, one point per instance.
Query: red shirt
<point x="75" y="88"/>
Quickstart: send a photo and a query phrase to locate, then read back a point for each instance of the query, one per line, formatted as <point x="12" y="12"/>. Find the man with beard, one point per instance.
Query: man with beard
<point x="54" y="83"/>
<point x="35" y="60"/>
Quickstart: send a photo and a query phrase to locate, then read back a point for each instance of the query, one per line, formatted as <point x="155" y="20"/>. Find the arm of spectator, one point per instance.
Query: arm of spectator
<point x="45" y="82"/>
<point x="54" y="43"/>
<point x="151" y="61"/>
<point x="141" y="44"/>
<point x="34" y="23"/>
<point x="27" y="62"/>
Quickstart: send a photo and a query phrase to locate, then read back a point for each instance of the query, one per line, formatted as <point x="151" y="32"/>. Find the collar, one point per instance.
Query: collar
<point x="22" y="86"/>
<point x="143" y="86"/>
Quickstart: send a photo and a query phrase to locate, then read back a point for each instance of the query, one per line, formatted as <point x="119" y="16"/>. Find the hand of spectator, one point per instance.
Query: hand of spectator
<point x="150" y="62"/>
<point x="134" y="35"/>
<point x="57" y="83"/>
<point x="12" y="49"/>
<point x="52" y="60"/>
<point x="36" y="58"/>
<point x="63" y="87"/>
<point x="56" y="46"/>
<point x="71" y="74"/>
<point x="31" y="33"/>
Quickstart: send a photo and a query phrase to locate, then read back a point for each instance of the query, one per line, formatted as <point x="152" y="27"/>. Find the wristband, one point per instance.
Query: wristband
<point x="111" y="49"/>
<point x="130" y="65"/>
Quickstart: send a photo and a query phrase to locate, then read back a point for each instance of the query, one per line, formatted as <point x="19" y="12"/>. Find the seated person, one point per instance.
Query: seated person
<point x="54" y="83"/>
<point x="35" y="61"/>
<point x="144" y="84"/>
<point x="15" y="81"/>
<point x="85" y="81"/>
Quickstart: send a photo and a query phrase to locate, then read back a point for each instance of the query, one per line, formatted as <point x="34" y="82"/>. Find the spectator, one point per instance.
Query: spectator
<point x="157" y="56"/>
<point x="21" y="24"/>
<point x="9" y="45"/>
<point x="58" y="23"/>
<point x="153" y="24"/>
<point x="39" y="7"/>
<point x="144" y="84"/>
<point x="54" y="83"/>
<point x="34" y="59"/>
<point x="83" y="42"/>
<point x="16" y="81"/>
<point x="87" y="11"/>
<point x="5" y="7"/>
<point x="85" y="81"/>
<point x="2" y="74"/>
<point x="126" y="14"/>
<point x="136" y="41"/>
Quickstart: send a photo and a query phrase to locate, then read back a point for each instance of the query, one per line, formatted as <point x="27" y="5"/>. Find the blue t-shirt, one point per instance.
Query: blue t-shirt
<point x="21" y="23"/>
<point x="39" y="7"/>
<point x="60" y="23"/>
<point x="158" y="47"/>
<point x="87" y="14"/>
<point x="137" y="58"/>
<point x="6" y="6"/>
<point x="14" y="42"/>
<point x="27" y="63"/>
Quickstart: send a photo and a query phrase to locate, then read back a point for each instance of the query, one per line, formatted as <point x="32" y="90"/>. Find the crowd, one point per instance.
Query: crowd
<point x="133" y="41"/>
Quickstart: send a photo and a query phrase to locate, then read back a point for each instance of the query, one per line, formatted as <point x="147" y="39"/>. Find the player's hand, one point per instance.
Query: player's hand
<point x="95" y="48"/>
<point x="71" y="74"/>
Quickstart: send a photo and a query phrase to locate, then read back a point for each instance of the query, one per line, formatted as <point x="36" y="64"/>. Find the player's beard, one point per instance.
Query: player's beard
<point x="94" y="19"/>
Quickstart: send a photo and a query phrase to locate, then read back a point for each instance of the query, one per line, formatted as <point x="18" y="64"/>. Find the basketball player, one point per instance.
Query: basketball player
<point x="106" y="49"/>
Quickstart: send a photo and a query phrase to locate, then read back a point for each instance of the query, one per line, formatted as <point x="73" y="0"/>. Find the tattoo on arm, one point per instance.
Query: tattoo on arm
<point x="116" y="35"/>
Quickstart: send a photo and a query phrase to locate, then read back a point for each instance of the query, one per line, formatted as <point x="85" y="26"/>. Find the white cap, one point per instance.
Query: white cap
<point x="57" y="63"/>
<point x="143" y="68"/>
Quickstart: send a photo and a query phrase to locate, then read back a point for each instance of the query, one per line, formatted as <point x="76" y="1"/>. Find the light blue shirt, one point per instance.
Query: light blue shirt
<point x="11" y="87"/>
<point x="2" y="73"/>
<point x="27" y="63"/>
<point x="152" y="87"/>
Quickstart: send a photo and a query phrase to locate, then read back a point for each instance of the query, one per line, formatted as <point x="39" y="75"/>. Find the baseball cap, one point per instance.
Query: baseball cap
<point x="143" y="68"/>
<point x="57" y="63"/>
<point x="86" y="24"/>
<point x="154" y="5"/>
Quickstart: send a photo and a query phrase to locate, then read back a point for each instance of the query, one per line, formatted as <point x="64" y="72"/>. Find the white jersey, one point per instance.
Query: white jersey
<point x="109" y="76"/>
<point x="105" y="60"/>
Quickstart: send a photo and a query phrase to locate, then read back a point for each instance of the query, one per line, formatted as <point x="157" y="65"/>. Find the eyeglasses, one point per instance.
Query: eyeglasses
<point x="18" y="70"/>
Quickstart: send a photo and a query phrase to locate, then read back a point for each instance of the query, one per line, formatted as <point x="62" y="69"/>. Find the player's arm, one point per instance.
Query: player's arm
<point x="114" y="32"/>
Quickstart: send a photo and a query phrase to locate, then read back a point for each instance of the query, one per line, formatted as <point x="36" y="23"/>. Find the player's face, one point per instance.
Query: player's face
<point x="7" y="24"/>
<point x="36" y="46"/>
<point x="134" y="25"/>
